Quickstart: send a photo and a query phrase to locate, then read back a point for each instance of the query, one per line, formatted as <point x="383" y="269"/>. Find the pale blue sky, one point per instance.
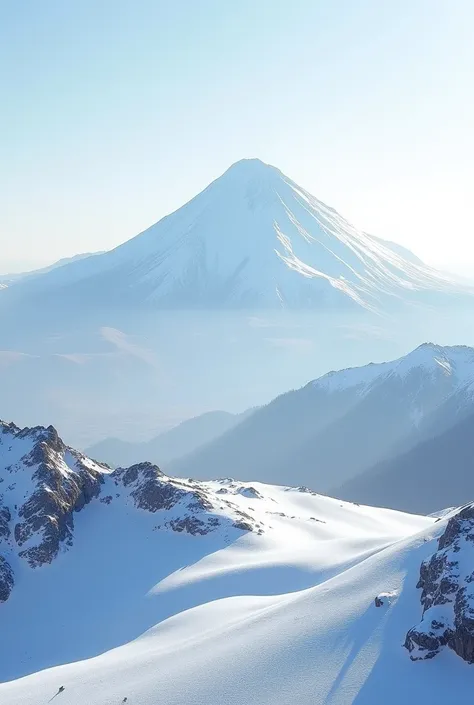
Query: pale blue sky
<point x="115" y="112"/>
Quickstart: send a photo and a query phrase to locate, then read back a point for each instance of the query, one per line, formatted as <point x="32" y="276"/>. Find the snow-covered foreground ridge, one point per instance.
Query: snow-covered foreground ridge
<point x="180" y="592"/>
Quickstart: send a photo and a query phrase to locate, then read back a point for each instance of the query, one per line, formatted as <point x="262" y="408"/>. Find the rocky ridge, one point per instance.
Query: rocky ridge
<point x="43" y="482"/>
<point x="447" y="584"/>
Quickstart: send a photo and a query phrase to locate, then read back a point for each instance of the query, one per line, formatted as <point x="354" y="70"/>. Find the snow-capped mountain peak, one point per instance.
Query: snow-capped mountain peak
<point x="455" y="361"/>
<point x="253" y="238"/>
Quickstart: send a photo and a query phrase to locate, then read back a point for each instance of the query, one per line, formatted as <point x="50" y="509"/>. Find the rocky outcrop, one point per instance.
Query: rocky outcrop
<point x="150" y="488"/>
<point x="5" y="519"/>
<point x="44" y="483"/>
<point x="249" y="492"/>
<point x="447" y="584"/>
<point x="61" y="489"/>
<point x="195" y="505"/>
<point x="6" y="579"/>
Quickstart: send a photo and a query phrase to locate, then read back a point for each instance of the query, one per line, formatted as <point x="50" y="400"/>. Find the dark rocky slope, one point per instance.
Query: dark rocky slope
<point x="447" y="584"/>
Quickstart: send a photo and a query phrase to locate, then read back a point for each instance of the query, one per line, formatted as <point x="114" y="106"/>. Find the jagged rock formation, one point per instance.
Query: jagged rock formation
<point x="6" y="579"/>
<point x="447" y="583"/>
<point x="43" y="483"/>
<point x="191" y="506"/>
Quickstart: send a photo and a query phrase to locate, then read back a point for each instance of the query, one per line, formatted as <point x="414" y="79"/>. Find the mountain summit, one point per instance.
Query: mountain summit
<point x="252" y="239"/>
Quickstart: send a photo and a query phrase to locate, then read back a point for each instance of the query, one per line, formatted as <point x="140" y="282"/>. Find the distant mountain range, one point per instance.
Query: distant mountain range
<point x="395" y="434"/>
<point x="251" y="288"/>
<point x="184" y="438"/>
<point x="9" y="279"/>
<point x="253" y="239"/>
<point x="336" y="428"/>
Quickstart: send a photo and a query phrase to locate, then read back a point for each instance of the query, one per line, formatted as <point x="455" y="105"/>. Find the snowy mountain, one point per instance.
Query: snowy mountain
<point x="224" y="592"/>
<point x="124" y="586"/>
<point x="252" y="239"/>
<point x="345" y="422"/>
<point x="437" y="472"/>
<point x="44" y="482"/>
<point x="184" y="438"/>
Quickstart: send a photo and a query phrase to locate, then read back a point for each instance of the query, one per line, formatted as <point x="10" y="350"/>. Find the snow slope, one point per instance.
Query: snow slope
<point x="259" y="632"/>
<point x="182" y="592"/>
<point x="252" y="239"/>
<point x="140" y="571"/>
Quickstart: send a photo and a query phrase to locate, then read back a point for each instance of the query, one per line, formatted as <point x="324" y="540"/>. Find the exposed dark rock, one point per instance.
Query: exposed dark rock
<point x="5" y="518"/>
<point x="446" y="581"/>
<point x="48" y="512"/>
<point x="6" y="579"/>
<point x="250" y="492"/>
<point x="37" y="515"/>
<point x="62" y="483"/>
<point x="152" y="491"/>
<point x="243" y="525"/>
<point x="191" y="525"/>
<point x="146" y="471"/>
<point x="149" y="487"/>
<point x="106" y="500"/>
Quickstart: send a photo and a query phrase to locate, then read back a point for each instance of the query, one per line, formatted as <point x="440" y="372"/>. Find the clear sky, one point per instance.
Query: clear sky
<point x="115" y="112"/>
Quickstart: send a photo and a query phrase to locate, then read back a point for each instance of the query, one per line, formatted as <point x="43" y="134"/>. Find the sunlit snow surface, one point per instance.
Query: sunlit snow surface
<point x="282" y="617"/>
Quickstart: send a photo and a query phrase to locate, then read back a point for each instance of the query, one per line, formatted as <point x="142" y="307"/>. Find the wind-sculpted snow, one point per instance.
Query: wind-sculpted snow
<point x="447" y="583"/>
